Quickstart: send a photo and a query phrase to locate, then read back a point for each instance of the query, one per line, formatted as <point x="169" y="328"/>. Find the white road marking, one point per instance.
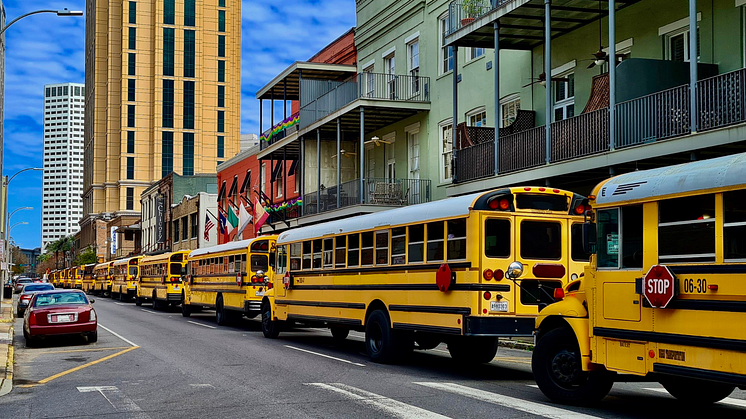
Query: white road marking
<point x="509" y="402"/>
<point x="148" y="311"/>
<point x="728" y="400"/>
<point x="380" y="403"/>
<point x="532" y="385"/>
<point x="117" y="400"/>
<point x="202" y="385"/>
<point x="201" y="324"/>
<point x="121" y="304"/>
<point x="117" y="335"/>
<point x="325" y="356"/>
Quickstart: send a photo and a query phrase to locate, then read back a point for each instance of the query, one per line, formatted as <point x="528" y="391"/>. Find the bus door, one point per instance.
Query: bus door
<point x="498" y="252"/>
<point x="281" y="269"/>
<point x="542" y="247"/>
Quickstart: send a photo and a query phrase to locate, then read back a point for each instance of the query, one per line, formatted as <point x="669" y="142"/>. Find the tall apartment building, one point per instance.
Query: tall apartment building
<point x="62" y="206"/>
<point x="162" y="96"/>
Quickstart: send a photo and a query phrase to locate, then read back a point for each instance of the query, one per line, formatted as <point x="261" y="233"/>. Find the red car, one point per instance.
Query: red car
<point x="60" y="312"/>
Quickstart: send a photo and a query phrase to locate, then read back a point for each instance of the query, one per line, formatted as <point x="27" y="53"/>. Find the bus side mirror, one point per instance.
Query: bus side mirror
<point x="589" y="237"/>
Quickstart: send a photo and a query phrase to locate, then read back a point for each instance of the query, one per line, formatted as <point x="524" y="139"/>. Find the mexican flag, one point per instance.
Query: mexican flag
<point x="232" y="218"/>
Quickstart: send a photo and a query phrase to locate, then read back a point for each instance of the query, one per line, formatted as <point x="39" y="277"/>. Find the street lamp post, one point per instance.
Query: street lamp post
<point x="6" y="233"/>
<point x="9" y="256"/>
<point x="63" y="12"/>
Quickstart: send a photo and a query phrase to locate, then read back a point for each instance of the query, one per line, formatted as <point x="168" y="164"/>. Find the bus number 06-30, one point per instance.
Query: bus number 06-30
<point x="695" y="285"/>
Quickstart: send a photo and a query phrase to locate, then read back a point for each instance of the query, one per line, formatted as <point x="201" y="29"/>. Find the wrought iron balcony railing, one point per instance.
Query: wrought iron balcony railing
<point x="376" y="191"/>
<point x="463" y="12"/>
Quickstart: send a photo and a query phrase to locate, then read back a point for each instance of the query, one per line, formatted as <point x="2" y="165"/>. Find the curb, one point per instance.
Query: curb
<point x="513" y="344"/>
<point x="6" y="384"/>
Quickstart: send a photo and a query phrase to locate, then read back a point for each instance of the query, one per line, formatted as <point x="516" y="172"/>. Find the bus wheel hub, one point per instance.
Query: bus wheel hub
<point x="565" y="367"/>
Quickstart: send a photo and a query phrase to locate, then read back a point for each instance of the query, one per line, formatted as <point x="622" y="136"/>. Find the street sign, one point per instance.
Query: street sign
<point x="658" y="286"/>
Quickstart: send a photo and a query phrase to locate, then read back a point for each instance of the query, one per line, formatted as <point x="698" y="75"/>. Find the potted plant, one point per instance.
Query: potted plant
<point x="472" y="9"/>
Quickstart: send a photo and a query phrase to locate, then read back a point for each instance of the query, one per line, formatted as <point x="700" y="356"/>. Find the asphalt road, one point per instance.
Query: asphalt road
<point x="150" y="364"/>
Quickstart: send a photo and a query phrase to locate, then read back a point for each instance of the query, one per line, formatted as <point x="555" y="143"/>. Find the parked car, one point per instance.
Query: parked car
<point x="60" y="312"/>
<point x="27" y="293"/>
<point x="20" y="282"/>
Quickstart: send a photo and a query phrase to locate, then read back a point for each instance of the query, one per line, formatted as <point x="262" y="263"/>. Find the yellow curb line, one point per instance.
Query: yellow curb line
<point x="82" y="350"/>
<point x="7" y="382"/>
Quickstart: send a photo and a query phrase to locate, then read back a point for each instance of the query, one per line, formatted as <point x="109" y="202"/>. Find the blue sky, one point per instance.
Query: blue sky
<point x="45" y="49"/>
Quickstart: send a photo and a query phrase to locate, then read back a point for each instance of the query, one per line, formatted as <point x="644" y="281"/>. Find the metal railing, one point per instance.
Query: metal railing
<point x="722" y="100"/>
<point x="475" y="162"/>
<point x="376" y="191"/>
<point x="653" y="117"/>
<point x="277" y="132"/>
<point x="523" y="150"/>
<point x="463" y="12"/>
<point x="581" y="135"/>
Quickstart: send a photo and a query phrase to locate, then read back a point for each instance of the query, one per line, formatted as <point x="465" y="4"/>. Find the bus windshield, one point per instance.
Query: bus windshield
<point x="133" y="270"/>
<point x="541" y="240"/>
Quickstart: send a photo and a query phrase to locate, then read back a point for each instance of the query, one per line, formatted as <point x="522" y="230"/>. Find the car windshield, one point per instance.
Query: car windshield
<point x="24" y="281"/>
<point x="62" y="298"/>
<point x="41" y="287"/>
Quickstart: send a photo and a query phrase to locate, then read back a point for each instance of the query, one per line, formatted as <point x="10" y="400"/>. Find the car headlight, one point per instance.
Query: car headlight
<point x="92" y="316"/>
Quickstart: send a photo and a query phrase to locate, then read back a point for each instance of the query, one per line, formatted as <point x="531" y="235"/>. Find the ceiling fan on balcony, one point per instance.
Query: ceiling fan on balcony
<point x="542" y="79"/>
<point x="599" y="57"/>
<point x="347" y="154"/>
<point x="377" y="141"/>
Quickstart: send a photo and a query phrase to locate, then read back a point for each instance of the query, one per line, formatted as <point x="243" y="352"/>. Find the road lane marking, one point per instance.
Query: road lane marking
<point x="202" y="385"/>
<point x="121" y="304"/>
<point x="201" y="324"/>
<point x="728" y="400"/>
<point x="532" y="385"/>
<point x="80" y="367"/>
<point x="148" y="311"/>
<point x="509" y="402"/>
<point x="84" y="350"/>
<point x="325" y="356"/>
<point x="118" y="400"/>
<point x="380" y="403"/>
<point x="116" y="334"/>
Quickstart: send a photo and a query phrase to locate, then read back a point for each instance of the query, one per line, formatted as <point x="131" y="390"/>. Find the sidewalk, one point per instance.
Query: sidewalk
<point x="6" y="347"/>
<point x="526" y="344"/>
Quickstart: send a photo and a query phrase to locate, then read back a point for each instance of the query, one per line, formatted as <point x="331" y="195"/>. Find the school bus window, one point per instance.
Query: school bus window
<point x="259" y="263"/>
<point x="734" y="208"/>
<point x="175" y="269"/>
<point x="353" y="253"/>
<point x="340" y="252"/>
<point x="435" y="238"/>
<point x="133" y="270"/>
<point x="282" y="259"/>
<point x="243" y="263"/>
<point x="611" y="244"/>
<point x="577" y="252"/>
<point x="416" y="243"/>
<point x="686" y="229"/>
<point x="543" y="202"/>
<point x="307" y="255"/>
<point x="456" y="239"/>
<point x="295" y="256"/>
<point x="231" y="263"/>
<point x="399" y="246"/>
<point x="366" y="252"/>
<point x="541" y="240"/>
<point x="497" y="238"/>
<point x="532" y="293"/>
<point x="317" y="247"/>
<point x="328" y="253"/>
<point x="382" y="247"/>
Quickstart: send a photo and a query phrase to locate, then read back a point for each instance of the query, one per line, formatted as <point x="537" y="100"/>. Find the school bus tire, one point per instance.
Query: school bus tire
<point x="696" y="392"/>
<point x="156" y="305"/>
<point x="339" y="333"/>
<point x="270" y="328"/>
<point x="384" y="344"/>
<point x="221" y="315"/>
<point x="556" y="363"/>
<point x="138" y="301"/>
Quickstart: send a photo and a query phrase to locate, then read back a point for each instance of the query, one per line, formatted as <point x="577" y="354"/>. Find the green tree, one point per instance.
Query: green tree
<point x="85" y="257"/>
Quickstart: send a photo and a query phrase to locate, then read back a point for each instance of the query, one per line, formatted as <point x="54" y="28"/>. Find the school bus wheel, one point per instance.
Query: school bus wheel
<point x="556" y="364"/>
<point x="696" y="392"/>
<point x="138" y="301"/>
<point x="385" y="345"/>
<point x="270" y="328"/>
<point x="472" y="349"/>
<point x="339" y="333"/>
<point x="186" y="310"/>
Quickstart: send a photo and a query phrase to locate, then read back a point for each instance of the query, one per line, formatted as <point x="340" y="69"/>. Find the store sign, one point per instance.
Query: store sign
<point x="114" y="240"/>
<point x="160" y="220"/>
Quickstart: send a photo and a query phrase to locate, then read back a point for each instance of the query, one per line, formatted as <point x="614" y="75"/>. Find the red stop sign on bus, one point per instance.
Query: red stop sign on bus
<point x="658" y="286"/>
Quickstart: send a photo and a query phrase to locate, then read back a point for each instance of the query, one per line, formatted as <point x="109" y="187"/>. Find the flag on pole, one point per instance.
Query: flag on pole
<point x="232" y="218"/>
<point x="260" y="216"/>
<point x="208" y="226"/>
<point x="244" y="219"/>
<point x="222" y="226"/>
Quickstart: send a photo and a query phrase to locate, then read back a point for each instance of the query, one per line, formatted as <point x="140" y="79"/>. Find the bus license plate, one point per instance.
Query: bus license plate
<point x="260" y="293"/>
<point x="498" y="306"/>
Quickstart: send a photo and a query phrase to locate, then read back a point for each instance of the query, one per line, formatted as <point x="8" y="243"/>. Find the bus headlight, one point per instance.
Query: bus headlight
<point x="515" y="270"/>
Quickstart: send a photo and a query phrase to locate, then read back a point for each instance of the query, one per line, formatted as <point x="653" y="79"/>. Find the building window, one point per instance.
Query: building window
<point x="280" y="180"/>
<point x="168" y="51"/>
<point x="131" y="64"/>
<point x="509" y="107"/>
<point x="195" y="226"/>
<point x="188" y="105"/>
<point x="184" y="228"/>
<point x="131" y="90"/>
<point x="446" y="53"/>
<point x="130" y="167"/>
<point x="131" y="142"/>
<point x="132" y="37"/>
<point x="564" y="97"/>
<point x="263" y="178"/>
<point x="130" y="199"/>
<point x="221" y="45"/>
<point x="221" y="121"/>
<point x="477" y="118"/>
<point x="48" y="91"/>
<point x="221" y="146"/>
<point x="133" y="12"/>
<point x="169" y="12"/>
<point x="168" y="103"/>
<point x="221" y="3"/>
<point x="413" y="62"/>
<point x="221" y="71"/>
<point x="221" y="96"/>
<point x="131" y="116"/>
<point x="176" y="231"/>
<point x="188" y="148"/>
<point x="189" y="53"/>
<point x="677" y="45"/>
<point x="221" y="20"/>
<point x="475" y="53"/>
<point x="446" y="150"/>
<point x="189" y="12"/>
<point x="167" y="153"/>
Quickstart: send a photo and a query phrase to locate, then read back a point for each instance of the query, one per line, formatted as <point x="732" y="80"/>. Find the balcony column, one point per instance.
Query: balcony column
<point x="496" y="69"/>
<point x="693" y="108"/>
<point x="272" y="111"/>
<point x="339" y="163"/>
<point x="362" y="155"/>
<point x="261" y="119"/>
<point x="301" y="169"/>
<point x="548" y="78"/>
<point x="285" y="99"/>
<point x="454" y="130"/>
<point x="318" y="171"/>
<point x="612" y="75"/>
<point x="285" y="174"/>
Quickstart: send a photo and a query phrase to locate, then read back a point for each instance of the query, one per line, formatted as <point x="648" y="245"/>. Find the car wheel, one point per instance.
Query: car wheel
<point x="19" y="313"/>
<point x="93" y="337"/>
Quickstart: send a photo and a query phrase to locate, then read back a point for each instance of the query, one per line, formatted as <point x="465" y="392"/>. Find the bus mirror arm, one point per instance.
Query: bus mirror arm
<point x="589" y="237"/>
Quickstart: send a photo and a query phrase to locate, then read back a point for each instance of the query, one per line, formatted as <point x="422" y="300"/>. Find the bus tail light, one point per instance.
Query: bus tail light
<point x="488" y="274"/>
<point x="580" y="209"/>
<point x="559" y="294"/>
<point x="270" y="285"/>
<point x="487" y="295"/>
<point x="498" y="275"/>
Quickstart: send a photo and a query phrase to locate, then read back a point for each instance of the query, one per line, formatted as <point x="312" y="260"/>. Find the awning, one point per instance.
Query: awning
<point x="287" y="84"/>
<point x="246" y="182"/>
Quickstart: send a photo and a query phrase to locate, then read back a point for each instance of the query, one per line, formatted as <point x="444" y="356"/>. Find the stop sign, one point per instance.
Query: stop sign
<point x="658" y="286"/>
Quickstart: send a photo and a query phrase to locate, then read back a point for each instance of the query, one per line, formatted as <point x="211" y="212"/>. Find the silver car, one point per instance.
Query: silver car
<point x="27" y="293"/>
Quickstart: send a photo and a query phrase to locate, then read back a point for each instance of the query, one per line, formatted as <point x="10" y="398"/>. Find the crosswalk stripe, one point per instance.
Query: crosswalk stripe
<point x="509" y="402"/>
<point x="728" y="400"/>
<point x="380" y="403"/>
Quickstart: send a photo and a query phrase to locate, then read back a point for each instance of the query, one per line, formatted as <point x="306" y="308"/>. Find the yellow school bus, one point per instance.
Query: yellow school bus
<point x="76" y="277"/>
<point x="462" y="270"/>
<point x="88" y="281"/>
<point x="69" y="277"/>
<point x="664" y="296"/>
<point x="126" y="274"/>
<point x="160" y="279"/>
<point x="230" y="278"/>
<point x="54" y="279"/>
<point x="102" y="275"/>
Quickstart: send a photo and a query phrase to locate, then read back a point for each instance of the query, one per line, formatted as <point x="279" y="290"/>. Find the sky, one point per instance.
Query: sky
<point x="45" y="49"/>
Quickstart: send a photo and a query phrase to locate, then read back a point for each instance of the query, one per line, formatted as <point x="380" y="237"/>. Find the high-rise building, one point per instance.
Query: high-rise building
<point x="62" y="206"/>
<point x="162" y="96"/>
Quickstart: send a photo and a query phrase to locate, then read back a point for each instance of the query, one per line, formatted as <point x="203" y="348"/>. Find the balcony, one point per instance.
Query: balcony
<point x="278" y="132"/>
<point x="648" y="119"/>
<point x="376" y="192"/>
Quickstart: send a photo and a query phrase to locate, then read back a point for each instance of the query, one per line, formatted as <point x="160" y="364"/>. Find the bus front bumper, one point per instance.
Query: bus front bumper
<point x="499" y="326"/>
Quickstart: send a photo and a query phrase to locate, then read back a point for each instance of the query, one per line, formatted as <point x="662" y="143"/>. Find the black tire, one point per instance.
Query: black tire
<point x="696" y="392"/>
<point x="92" y="337"/>
<point x="270" y="328"/>
<point x="30" y="341"/>
<point x="19" y="313"/>
<point x="384" y="345"/>
<point x="186" y="310"/>
<point x="122" y="296"/>
<point x="221" y="316"/>
<point x="340" y="333"/>
<point x="155" y="304"/>
<point x="557" y="367"/>
<point x="473" y="350"/>
<point x="138" y="301"/>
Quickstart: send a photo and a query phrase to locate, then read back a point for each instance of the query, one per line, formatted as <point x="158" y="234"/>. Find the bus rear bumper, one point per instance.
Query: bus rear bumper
<point x="499" y="326"/>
